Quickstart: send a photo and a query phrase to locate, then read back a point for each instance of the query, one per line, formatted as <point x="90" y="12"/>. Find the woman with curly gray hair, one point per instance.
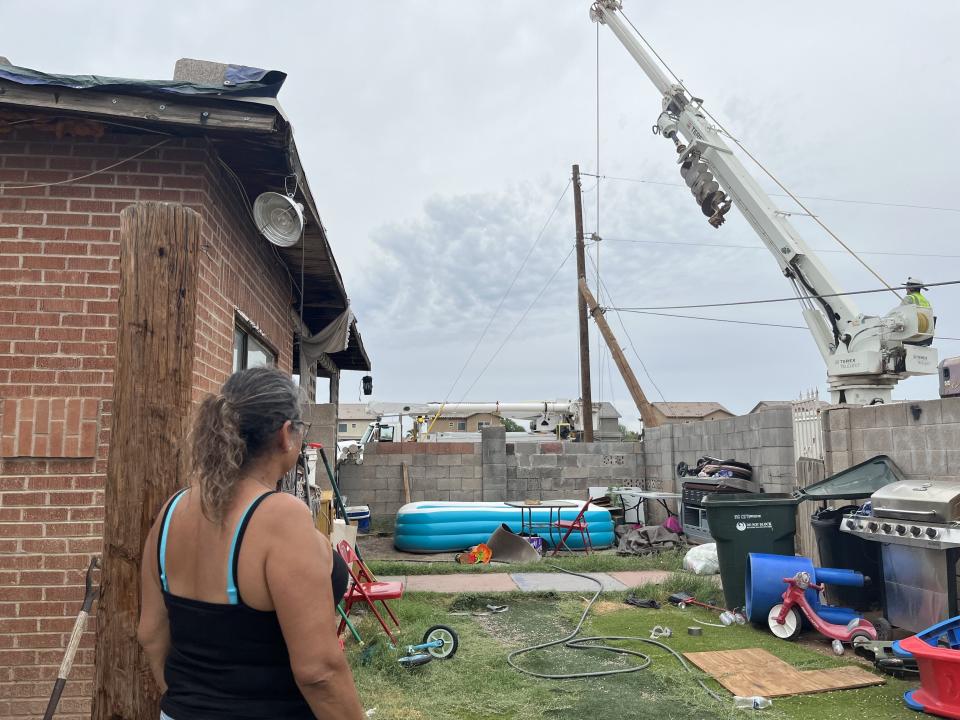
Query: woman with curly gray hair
<point x="239" y="588"/>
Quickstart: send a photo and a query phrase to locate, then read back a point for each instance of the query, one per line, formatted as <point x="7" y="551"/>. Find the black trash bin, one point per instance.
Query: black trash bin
<point x="838" y="549"/>
<point x="842" y="550"/>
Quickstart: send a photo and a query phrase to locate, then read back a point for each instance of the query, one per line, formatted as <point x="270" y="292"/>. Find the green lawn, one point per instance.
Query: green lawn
<point x="479" y="684"/>
<point x="577" y="562"/>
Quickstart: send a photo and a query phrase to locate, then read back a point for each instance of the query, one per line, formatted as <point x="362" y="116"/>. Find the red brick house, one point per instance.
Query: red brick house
<point x="73" y="153"/>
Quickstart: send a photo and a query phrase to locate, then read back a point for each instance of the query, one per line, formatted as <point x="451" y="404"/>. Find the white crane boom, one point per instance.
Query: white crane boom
<point x="865" y="355"/>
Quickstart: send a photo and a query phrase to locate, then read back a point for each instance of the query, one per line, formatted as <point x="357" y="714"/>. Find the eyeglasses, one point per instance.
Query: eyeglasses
<point x="305" y="426"/>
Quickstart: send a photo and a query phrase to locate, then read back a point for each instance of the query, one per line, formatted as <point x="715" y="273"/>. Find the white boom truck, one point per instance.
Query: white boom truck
<point x="865" y="355"/>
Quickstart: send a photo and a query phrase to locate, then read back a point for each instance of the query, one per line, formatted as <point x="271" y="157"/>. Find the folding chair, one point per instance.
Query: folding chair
<point x="578" y="524"/>
<point x="363" y="588"/>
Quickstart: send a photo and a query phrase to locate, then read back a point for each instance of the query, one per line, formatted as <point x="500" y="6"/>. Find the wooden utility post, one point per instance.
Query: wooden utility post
<point x="152" y="388"/>
<point x="643" y="405"/>
<point x="586" y="396"/>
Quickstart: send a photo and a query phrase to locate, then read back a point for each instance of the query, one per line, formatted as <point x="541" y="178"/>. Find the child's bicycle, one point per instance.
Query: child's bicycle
<point x="440" y="642"/>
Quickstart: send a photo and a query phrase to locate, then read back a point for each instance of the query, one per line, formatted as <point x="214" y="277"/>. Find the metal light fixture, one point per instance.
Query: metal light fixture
<point x="279" y="218"/>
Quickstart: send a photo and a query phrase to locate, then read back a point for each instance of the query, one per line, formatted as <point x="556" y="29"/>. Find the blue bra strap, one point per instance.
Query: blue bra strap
<point x="164" y="530"/>
<point x="233" y="594"/>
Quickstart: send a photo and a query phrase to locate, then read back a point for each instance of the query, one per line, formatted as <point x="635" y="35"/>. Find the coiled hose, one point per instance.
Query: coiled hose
<point x="597" y="642"/>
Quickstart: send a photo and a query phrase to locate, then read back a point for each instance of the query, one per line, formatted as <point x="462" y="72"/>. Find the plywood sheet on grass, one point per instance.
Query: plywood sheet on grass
<point x="757" y="672"/>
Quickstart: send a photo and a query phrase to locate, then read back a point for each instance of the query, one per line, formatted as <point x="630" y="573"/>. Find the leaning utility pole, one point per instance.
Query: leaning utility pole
<point x="643" y="405"/>
<point x="586" y="397"/>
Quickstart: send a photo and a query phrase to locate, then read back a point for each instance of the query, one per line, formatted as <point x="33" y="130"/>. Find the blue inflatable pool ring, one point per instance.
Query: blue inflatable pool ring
<point x="764" y="585"/>
<point x="441" y="526"/>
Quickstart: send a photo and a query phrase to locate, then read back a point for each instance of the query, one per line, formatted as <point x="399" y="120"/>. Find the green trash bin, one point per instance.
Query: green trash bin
<point x="743" y="523"/>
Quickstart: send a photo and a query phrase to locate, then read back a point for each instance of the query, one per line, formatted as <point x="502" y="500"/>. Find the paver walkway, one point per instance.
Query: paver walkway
<point x="528" y="582"/>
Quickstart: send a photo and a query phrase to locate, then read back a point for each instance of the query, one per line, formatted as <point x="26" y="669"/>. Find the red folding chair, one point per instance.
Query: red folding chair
<point x="364" y="588"/>
<point x="579" y="525"/>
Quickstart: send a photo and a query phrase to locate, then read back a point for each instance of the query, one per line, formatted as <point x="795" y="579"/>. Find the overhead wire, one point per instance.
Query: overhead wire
<point x="517" y="324"/>
<point x="775" y="300"/>
<point x="503" y="298"/>
<point x="745" y="322"/>
<point x="633" y="347"/>
<point x="86" y="175"/>
<point x="850" y="201"/>
<point x="761" y="247"/>
<point x="762" y="167"/>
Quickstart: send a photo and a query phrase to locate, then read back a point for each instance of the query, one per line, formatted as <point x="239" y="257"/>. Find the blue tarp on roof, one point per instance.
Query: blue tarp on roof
<point x="244" y="82"/>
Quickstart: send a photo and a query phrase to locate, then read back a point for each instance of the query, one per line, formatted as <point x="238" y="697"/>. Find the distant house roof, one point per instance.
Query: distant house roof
<point x="354" y="411"/>
<point x="768" y="404"/>
<point x="689" y="409"/>
<point x="608" y="410"/>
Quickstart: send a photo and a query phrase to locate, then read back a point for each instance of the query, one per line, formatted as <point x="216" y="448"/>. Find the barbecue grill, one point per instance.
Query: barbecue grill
<point x="918" y="526"/>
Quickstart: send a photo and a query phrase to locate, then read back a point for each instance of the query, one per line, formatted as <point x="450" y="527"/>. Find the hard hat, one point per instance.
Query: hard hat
<point x="914" y="282"/>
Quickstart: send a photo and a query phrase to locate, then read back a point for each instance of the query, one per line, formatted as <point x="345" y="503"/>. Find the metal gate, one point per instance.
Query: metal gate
<point x="807" y="426"/>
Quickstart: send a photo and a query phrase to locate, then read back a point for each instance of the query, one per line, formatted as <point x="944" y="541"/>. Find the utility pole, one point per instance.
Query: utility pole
<point x="152" y="390"/>
<point x="643" y="405"/>
<point x="586" y="396"/>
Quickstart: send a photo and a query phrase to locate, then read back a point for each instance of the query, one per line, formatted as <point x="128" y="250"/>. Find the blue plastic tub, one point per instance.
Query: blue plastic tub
<point x="429" y="527"/>
<point x="764" y="585"/>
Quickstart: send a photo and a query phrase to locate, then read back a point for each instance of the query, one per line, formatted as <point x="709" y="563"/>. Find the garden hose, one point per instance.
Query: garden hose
<point x="598" y="643"/>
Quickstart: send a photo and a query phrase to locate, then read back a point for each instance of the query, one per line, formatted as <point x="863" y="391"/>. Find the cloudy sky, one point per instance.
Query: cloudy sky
<point x="439" y="136"/>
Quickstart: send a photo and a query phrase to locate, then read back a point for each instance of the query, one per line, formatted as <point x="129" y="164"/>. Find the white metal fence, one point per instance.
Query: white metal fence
<point x="807" y="426"/>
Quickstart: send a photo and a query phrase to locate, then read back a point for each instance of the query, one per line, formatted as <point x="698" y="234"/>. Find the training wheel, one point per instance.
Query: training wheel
<point x="791" y="623"/>
<point x="414" y="660"/>
<point x="449" y="638"/>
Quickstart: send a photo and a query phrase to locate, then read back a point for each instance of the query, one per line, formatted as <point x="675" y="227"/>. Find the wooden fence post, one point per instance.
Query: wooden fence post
<point x="153" y="381"/>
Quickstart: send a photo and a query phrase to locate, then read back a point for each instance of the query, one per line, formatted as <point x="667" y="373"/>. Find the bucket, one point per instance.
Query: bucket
<point x="360" y="516"/>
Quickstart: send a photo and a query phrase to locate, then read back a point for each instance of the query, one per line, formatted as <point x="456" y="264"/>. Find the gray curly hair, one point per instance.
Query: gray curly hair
<point x="234" y="427"/>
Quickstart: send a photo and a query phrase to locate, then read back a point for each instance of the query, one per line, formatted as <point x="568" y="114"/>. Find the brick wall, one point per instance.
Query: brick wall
<point x="59" y="282"/>
<point x="926" y="446"/>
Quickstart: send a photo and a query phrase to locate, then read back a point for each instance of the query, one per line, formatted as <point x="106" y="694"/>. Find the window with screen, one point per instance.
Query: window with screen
<point x="342" y="427"/>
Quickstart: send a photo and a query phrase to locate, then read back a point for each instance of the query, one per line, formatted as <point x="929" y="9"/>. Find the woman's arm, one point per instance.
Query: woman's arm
<point x="299" y="563"/>
<point x="153" y="632"/>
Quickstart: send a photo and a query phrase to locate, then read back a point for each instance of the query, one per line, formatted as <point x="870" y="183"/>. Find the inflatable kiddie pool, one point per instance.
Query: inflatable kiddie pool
<point x="443" y="526"/>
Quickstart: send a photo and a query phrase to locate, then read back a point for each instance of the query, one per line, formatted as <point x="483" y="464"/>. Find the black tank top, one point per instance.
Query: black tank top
<point x="229" y="661"/>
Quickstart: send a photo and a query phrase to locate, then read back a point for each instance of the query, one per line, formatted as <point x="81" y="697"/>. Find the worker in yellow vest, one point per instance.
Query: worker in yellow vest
<point x="925" y="320"/>
<point x="914" y="296"/>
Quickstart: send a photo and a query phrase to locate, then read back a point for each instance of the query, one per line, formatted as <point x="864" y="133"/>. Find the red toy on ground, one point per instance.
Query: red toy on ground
<point x="786" y="619"/>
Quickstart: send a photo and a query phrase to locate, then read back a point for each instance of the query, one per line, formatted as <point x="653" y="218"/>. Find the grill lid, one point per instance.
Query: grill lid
<point x="859" y="481"/>
<point x="935" y="501"/>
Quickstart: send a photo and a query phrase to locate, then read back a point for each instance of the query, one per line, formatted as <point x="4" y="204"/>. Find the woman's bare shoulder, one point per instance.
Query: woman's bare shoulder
<point x="285" y="514"/>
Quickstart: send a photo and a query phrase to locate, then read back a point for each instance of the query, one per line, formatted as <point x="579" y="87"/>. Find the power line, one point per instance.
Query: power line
<point x="632" y="346"/>
<point x="776" y="300"/>
<point x="712" y="319"/>
<point x="849" y="201"/>
<point x="518" y="323"/>
<point x="768" y="173"/>
<point x="744" y="322"/>
<point x="761" y="247"/>
<point x="503" y="299"/>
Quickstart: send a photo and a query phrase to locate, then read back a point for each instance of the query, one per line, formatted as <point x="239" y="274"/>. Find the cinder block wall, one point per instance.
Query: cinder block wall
<point x="555" y="470"/>
<point x="926" y="446"/>
<point x="436" y="471"/>
<point x="763" y="439"/>
<point x="493" y="471"/>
